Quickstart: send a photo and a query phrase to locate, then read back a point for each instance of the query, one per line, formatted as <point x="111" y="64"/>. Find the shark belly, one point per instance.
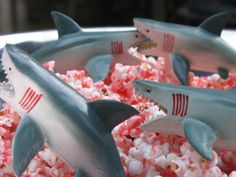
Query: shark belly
<point x="69" y="141"/>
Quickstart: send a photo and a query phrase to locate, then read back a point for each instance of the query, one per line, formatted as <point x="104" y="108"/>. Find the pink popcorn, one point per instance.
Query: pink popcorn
<point x="233" y="174"/>
<point x="135" y="167"/>
<point x="50" y="65"/>
<point x="142" y="154"/>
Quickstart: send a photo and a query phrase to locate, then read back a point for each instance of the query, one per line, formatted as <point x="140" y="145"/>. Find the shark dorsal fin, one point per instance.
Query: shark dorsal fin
<point x="214" y="24"/>
<point x="64" y="24"/>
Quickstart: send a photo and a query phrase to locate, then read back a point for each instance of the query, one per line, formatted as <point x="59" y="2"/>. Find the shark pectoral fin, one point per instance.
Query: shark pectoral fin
<point x="181" y="68"/>
<point x="164" y="125"/>
<point x="64" y="24"/>
<point x="214" y="24"/>
<point x="200" y="136"/>
<point x="98" y="67"/>
<point x="80" y="173"/>
<point x="112" y="112"/>
<point x="27" y="142"/>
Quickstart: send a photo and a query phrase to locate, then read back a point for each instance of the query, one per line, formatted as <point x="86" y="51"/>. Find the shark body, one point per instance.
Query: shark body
<point x="94" y="51"/>
<point x="184" y="47"/>
<point x="205" y="117"/>
<point x="55" y="114"/>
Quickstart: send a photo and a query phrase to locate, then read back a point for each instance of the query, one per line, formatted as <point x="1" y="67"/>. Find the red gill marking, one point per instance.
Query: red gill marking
<point x="177" y="107"/>
<point x="174" y="102"/>
<point x="31" y="102"/>
<point x="168" y="44"/>
<point x="29" y="99"/>
<point x="182" y="112"/>
<point x="180" y="104"/>
<point x="186" y="109"/>
<point x="116" y="47"/>
<point x="35" y="102"/>
<point x="27" y="91"/>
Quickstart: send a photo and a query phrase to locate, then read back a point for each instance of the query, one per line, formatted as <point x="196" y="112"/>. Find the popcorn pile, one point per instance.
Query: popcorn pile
<point x="142" y="154"/>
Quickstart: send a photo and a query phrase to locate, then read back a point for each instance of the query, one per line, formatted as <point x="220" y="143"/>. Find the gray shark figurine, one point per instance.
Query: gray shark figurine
<point x="205" y="117"/>
<point x="186" y="47"/>
<point x="94" y="51"/>
<point x="55" y="114"/>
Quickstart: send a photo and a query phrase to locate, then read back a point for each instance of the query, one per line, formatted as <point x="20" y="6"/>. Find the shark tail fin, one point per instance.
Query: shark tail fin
<point x="64" y="24"/>
<point x="27" y="142"/>
<point x="215" y="24"/>
<point x="112" y="112"/>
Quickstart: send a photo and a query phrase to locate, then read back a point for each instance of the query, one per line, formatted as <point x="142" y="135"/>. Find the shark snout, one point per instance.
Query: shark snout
<point x="7" y="91"/>
<point x="141" y="87"/>
<point x="141" y="22"/>
<point x="143" y="25"/>
<point x="137" y="84"/>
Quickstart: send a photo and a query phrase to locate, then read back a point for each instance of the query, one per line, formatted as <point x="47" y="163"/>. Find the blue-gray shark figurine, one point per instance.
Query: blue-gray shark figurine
<point x="199" y="48"/>
<point x="55" y="114"/>
<point x="92" y="51"/>
<point x="205" y="117"/>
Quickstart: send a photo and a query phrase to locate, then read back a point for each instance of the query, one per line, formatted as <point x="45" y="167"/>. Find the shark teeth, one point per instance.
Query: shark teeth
<point x="6" y="88"/>
<point x="161" y="107"/>
<point x="147" y="44"/>
<point x="3" y="73"/>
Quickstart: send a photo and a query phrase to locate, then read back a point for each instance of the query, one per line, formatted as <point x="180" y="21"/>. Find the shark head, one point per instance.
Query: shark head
<point x="15" y="65"/>
<point x="154" y="91"/>
<point x="146" y="28"/>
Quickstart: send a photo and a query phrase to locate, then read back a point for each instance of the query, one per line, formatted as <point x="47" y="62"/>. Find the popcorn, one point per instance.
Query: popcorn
<point x="143" y="154"/>
<point x="135" y="167"/>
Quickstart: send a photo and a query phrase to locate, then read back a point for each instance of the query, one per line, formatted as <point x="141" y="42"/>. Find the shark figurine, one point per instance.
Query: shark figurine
<point x="55" y="114"/>
<point x="205" y="117"/>
<point x="93" y="51"/>
<point x="198" y="48"/>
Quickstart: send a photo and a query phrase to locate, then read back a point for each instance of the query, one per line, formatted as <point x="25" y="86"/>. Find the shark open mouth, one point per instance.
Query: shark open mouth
<point x="160" y="106"/>
<point x="6" y="87"/>
<point x="145" y="44"/>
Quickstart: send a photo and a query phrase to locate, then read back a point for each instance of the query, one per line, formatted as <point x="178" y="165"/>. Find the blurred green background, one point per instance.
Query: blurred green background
<point x="31" y="15"/>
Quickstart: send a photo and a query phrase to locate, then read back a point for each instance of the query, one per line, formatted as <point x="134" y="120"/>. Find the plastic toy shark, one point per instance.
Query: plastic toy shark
<point x="94" y="51"/>
<point x="187" y="47"/>
<point x="55" y="114"/>
<point x="203" y="116"/>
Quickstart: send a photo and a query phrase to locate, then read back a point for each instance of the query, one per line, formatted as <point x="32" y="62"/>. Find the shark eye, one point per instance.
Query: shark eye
<point x="136" y="35"/>
<point x="148" y="91"/>
<point x="147" y="30"/>
<point x="9" y="68"/>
